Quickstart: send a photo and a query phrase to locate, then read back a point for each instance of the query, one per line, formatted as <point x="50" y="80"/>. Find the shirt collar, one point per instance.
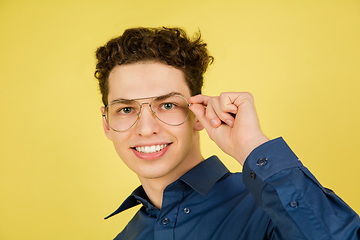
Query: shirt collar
<point x="201" y="178"/>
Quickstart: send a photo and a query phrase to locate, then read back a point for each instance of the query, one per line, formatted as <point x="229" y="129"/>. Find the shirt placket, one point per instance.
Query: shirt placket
<point x="166" y="221"/>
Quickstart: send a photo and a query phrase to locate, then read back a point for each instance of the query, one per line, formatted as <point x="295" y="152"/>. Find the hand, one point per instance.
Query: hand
<point x="231" y="122"/>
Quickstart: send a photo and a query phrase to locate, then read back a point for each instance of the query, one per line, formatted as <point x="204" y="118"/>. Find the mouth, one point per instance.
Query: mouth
<point x="151" y="148"/>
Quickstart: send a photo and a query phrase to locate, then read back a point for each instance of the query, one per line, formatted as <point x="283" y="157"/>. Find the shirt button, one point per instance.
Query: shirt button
<point x="294" y="204"/>
<point x="252" y="175"/>
<point x="165" y="221"/>
<point x="186" y="210"/>
<point x="261" y="162"/>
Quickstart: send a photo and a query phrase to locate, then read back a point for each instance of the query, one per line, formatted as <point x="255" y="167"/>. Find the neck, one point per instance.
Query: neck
<point x="154" y="187"/>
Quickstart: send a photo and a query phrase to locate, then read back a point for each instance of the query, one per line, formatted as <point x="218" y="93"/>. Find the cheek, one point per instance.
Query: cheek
<point x="120" y="141"/>
<point x="185" y="133"/>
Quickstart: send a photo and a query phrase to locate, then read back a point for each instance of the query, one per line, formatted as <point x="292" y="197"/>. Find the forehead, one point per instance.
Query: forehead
<point x="145" y="79"/>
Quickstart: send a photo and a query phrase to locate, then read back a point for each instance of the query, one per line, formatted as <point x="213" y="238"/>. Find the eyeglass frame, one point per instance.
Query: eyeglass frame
<point x="151" y="110"/>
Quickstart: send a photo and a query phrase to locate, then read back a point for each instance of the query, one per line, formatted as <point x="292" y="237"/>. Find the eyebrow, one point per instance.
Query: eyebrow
<point x="161" y="97"/>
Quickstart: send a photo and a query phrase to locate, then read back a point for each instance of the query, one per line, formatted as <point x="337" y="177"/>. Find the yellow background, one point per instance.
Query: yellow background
<point x="59" y="175"/>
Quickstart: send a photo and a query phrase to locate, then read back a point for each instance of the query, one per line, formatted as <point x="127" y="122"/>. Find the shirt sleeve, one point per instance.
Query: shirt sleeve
<point x="299" y="207"/>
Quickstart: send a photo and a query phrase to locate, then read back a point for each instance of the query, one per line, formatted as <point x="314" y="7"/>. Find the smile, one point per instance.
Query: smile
<point x="151" y="149"/>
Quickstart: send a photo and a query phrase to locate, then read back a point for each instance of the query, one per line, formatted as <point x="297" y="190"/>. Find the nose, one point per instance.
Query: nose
<point x="147" y="123"/>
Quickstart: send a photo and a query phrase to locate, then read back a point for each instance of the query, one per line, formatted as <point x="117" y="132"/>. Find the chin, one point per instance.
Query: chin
<point x="154" y="174"/>
<point x="157" y="172"/>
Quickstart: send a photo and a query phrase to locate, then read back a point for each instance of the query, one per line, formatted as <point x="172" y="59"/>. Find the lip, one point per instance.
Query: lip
<point x="150" y="156"/>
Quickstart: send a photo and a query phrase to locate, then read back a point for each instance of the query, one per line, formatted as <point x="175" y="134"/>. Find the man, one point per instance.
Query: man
<point x="151" y="80"/>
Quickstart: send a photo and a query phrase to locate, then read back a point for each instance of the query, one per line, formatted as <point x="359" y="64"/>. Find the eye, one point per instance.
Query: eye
<point x="125" y="110"/>
<point x="168" y="106"/>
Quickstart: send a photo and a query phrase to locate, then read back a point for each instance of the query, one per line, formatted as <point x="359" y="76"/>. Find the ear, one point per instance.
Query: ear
<point x="106" y="127"/>
<point x="197" y="125"/>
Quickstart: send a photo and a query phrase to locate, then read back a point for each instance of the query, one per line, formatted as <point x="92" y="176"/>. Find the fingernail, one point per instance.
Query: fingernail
<point x="229" y="122"/>
<point x="214" y="122"/>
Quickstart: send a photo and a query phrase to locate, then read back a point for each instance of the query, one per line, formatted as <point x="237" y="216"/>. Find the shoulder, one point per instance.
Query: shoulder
<point x="230" y="186"/>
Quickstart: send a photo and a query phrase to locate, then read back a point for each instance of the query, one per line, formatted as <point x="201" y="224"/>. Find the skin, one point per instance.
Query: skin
<point x="230" y="120"/>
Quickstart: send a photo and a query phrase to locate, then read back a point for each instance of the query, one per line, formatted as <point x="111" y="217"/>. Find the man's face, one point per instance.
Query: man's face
<point x="179" y="145"/>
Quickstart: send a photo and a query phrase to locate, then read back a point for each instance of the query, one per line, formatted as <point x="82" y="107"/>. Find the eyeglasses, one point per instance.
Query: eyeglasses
<point x="171" y="109"/>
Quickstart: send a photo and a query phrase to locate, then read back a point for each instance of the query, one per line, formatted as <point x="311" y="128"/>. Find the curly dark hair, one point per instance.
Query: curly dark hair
<point x="166" y="45"/>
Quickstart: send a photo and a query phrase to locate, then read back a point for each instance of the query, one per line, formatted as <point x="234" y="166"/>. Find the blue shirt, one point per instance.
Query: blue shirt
<point x="275" y="197"/>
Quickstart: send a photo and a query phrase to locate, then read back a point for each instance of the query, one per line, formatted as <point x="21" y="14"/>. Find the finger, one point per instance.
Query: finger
<point x="236" y="98"/>
<point x="225" y="115"/>
<point x="199" y="99"/>
<point x="200" y="112"/>
<point x="211" y="113"/>
<point x="227" y="103"/>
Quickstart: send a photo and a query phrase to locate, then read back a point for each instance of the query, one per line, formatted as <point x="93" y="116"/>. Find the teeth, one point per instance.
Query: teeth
<point x="151" y="149"/>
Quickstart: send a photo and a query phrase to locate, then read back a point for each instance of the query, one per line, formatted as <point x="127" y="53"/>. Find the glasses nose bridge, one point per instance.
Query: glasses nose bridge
<point x="150" y="108"/>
